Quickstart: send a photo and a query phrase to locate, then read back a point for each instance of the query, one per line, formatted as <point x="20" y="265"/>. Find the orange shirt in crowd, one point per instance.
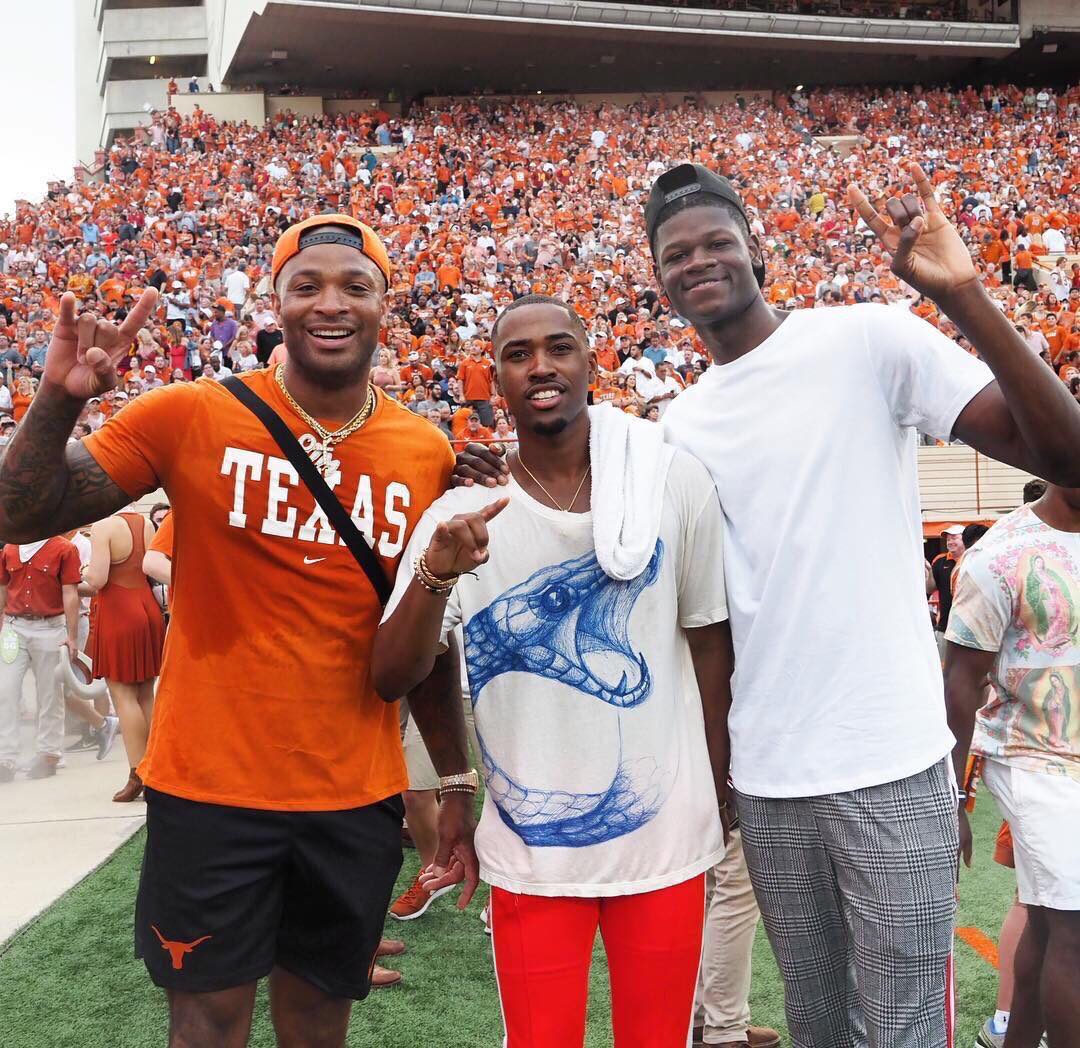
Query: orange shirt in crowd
<point x="477" y="379"/>
<point x="20" y="404"/>
<point x="265" y="698"/>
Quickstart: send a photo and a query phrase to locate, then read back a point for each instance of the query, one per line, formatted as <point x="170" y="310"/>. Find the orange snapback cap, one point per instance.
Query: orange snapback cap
<point x="352" y="232"/>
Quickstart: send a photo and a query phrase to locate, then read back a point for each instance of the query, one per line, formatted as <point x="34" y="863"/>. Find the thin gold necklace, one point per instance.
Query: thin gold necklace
<point x="551" y="498"/>
<point x="328" y="439"/>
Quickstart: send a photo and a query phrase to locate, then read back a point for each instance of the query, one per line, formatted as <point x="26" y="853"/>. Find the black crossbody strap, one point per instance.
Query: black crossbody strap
<point x="335" y="512"/>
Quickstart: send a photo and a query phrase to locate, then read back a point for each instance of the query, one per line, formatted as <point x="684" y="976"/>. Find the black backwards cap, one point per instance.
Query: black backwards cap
<point x="683" y="181"/>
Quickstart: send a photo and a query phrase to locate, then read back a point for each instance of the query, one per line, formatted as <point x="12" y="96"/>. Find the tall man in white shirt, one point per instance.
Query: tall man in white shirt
<point x="838" y="731"/>
<point x="839" y="737"/>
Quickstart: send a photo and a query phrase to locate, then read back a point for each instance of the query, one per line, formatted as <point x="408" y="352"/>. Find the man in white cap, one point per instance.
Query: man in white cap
<point x="942" y="568"/>
<point x="177" y="303"/>
<point x="215" y="369"/>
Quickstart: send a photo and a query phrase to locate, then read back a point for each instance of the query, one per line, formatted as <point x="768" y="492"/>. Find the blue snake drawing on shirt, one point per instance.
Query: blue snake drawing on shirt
<point x="569" y="623"/>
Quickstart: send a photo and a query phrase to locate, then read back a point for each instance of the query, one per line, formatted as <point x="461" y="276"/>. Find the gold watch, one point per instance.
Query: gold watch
<point x="466" y="782"/>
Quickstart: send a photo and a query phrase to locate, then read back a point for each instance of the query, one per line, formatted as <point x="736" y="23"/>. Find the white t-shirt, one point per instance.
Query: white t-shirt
<point x="236" y="286"/>
<point x="837" y="681"/>
<point x="587" y="708"/>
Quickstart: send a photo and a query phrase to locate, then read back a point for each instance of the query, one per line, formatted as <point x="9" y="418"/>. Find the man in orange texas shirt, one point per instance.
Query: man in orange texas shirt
<point x="274" y="770"/>
<point x="477" y="374"/>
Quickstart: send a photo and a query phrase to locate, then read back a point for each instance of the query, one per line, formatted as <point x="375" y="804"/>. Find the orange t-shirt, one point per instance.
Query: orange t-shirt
<point x="265" y="698"/>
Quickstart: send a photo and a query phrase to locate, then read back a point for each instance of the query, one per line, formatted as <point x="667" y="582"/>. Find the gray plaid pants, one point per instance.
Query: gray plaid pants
<point x="857" y="892"/>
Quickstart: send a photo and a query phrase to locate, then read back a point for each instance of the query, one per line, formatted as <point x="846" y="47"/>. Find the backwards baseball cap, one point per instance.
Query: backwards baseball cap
<point x="330" y="229"/>
<point x="686" y="180"/>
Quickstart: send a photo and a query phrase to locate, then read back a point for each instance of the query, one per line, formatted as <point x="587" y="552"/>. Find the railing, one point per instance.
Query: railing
<point x="460" y="443"/>
<point x="722" y="16"/>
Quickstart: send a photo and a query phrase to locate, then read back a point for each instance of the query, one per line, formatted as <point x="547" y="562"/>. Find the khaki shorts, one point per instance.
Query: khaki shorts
<point x="422" y="773"/>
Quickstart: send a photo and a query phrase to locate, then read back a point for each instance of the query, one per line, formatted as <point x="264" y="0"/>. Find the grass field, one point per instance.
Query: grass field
<point x="70" y="981"/>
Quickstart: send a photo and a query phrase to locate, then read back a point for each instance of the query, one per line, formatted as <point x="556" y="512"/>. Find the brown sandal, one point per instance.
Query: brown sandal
<point x="382" y="977"/>
<point x="132" y="789"/>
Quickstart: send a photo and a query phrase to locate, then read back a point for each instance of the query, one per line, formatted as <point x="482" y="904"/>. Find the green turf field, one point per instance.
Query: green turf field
<point x="70" y="981"/>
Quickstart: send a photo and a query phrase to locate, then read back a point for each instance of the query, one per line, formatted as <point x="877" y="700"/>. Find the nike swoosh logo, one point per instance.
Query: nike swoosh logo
<point x="313" y="560"/>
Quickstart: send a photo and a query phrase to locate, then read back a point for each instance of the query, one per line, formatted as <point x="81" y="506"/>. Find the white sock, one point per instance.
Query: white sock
<point x="1000" y="1021"/>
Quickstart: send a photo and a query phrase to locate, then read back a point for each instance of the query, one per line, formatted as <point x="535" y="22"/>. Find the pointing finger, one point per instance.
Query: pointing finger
<point x="866" y="210"/>
<point x="491" y="511"/>
<point x="922" y="184"/>
<point x="477" y="529"/>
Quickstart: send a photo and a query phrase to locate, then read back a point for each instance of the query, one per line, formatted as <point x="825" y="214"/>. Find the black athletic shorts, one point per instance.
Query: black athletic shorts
<point x="227" y="893"/>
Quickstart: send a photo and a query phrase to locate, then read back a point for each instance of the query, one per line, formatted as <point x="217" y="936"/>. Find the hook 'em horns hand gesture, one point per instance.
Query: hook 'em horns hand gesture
<point x="84" y="350"/>
<point x="926" y="250"/>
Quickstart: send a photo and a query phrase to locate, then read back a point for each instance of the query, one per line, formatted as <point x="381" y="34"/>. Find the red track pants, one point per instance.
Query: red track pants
<point x="543" y="950"/>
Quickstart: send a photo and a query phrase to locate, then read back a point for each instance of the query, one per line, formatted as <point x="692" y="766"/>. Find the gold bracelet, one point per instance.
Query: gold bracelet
<point x="444" y="790"/>
<point x="431" y="582"/>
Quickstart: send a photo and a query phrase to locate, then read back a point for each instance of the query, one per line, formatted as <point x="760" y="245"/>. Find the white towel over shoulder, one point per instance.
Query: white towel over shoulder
<point x="630" y="463"/>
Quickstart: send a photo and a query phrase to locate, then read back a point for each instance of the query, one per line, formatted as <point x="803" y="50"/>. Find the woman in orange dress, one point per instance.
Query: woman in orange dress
<point x="127" y="631"/>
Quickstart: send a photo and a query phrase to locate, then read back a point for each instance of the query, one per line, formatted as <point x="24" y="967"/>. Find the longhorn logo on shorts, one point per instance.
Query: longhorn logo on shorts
<point x="178" y="950"/>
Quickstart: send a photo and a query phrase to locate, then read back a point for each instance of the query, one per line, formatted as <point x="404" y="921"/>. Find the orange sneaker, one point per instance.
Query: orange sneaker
<point x="414" y="901"/>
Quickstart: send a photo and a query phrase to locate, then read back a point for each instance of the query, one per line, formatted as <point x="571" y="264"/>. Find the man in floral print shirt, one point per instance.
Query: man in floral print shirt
<point x="1016" y="618"/>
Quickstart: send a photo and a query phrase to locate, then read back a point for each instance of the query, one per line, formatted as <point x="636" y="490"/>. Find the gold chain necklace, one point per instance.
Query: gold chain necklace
<point x="581" y="484"/>
<point x="328" y="439"/>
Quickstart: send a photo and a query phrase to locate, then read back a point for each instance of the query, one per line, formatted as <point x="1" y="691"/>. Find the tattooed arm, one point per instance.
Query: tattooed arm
<point x="48" y="486"/>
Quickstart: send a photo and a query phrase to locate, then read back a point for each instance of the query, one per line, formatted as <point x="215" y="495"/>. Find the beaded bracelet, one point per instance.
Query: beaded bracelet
<point x="432" y="583"/>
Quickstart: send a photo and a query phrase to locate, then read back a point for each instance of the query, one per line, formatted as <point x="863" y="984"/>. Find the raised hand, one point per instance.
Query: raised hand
<point x="461" y="543"/>
<point x="926" y="250"/>
<point x="84" y="350"/>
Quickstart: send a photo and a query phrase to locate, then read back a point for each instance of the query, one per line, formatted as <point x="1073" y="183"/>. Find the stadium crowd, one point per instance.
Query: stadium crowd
<point x="480" y="204"/>
<point x="483" y="202"/>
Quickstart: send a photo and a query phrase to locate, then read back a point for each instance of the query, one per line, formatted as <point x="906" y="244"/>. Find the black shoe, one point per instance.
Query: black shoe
<point x="87" y="741"/>
<point x="7" y="772"/>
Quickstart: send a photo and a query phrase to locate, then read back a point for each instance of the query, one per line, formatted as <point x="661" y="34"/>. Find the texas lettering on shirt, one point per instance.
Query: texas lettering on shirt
<point x="269" y="608"/>
<point x="269" y="510"/>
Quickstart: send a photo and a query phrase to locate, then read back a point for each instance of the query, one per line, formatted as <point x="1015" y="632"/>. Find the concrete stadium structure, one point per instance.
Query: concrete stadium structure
<point x="349" y="52"/>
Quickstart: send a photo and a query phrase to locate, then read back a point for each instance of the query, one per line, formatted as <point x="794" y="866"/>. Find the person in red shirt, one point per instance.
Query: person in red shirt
<point x="477" y="375"/>
<point x="39" y="595"/>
